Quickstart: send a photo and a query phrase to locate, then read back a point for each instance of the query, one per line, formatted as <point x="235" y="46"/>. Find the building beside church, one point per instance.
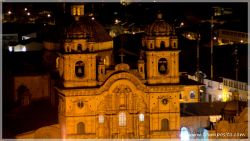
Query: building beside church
<point x="100" y="99"/>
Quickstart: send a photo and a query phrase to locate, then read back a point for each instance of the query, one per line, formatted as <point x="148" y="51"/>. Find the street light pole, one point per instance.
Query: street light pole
<point x="212" y="46"/>
<point x="198" y="56"/>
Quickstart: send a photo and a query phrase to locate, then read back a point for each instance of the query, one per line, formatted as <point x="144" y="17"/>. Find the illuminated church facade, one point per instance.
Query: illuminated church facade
<point x="97" y="100"/>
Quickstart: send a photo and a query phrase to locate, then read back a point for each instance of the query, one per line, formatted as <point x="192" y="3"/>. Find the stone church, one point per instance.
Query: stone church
<point x="100" y="99"/>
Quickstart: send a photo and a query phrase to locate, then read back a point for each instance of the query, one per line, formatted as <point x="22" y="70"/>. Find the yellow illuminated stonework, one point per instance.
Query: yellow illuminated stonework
<point x="97" y="100"/>
<point x="124" y="102"/>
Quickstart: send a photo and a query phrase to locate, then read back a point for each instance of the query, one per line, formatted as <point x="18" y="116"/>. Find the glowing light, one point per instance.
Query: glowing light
<point x="182" y="23"/>
<point x="122" y="119"/>
<point x="25" y="9"/>
<point x="28" y="13"/>
<point x="201" y="91"/>
<point x="154" y="1"/>
<point x="215" y="38"/>
<point x="48" y="15"/>
<point x="184" y="134"/>
<point x="24" y="49"/>
<point x="101" y="119"/>
<point x="10" y="49"/>
<point x="9" y="12"/>
<point x="141" y="117"/>
<point x="188" y="35"/>
<point x="241" y="41"/>
<point x="133" y="32"/>
<point x="219" y="96"/>
<point x="116" y="21"/>
<point x="93" y="18"/>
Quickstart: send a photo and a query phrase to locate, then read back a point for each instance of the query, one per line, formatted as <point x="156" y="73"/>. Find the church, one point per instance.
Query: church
<point x="99" y="99"/>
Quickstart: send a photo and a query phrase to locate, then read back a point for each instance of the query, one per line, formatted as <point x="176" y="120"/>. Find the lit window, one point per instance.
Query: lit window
<point x="57" y="62"/>
<point x="141" y="117"/>
<point x="219" y="97"/>
<point x="220" y="86"/>
<point x="78" y="11"/>
<point x="24" y="49"/>
<point x="122" y="119"/>
<point x="74" y="11"/>
<point x="101" y="119"/>
<point x="104" y="61"/>
<point x="10" y="49"/>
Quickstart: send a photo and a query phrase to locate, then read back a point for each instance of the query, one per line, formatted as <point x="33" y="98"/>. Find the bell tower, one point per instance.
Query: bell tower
<point x="77" y="62"/>
<point x="162" y="54"/>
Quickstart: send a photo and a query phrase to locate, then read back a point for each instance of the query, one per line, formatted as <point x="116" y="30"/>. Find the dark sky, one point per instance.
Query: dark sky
<point x="137" y="10"/>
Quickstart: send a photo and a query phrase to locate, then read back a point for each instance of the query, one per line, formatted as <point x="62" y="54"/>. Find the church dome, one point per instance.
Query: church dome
<point x="86" y="28"/>
<point x="159" y="27"/>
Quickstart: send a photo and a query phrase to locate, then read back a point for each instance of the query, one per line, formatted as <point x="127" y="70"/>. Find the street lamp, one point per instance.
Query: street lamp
<point x="116" y="21"/>
<point x="28" y="13"/>
<point x="182" y="23"/>
<point x="48" y="15"/>
<point x="9" y="12"/>
<point x="25" y="9"/>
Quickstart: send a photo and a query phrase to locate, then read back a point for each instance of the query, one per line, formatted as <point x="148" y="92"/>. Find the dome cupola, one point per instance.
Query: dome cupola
<point x="159" y="27"/>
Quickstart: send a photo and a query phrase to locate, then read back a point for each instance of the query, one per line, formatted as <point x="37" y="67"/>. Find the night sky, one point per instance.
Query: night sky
<point x="135" y="12"/>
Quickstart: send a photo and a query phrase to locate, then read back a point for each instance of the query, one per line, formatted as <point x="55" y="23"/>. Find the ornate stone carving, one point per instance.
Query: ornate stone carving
<point x="122" y="89"/>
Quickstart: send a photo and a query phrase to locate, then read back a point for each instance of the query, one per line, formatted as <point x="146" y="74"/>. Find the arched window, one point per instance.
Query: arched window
<point x="80" y="128"/>
<point x="141" y="69"/>
<point x="141" y="117"/>
<point x="164" y="124"/>
<point x="79" y="69"/>
<point x="79" y="47"/>
<point x="162" y="46"/>
<point x="122" y="119"/>
<point x="101" y="119"/>
<point x="174" y="45"/>
<point x="192" y="94"/>
<point x="74" y="11"/>
<point x="162" y="66"/>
